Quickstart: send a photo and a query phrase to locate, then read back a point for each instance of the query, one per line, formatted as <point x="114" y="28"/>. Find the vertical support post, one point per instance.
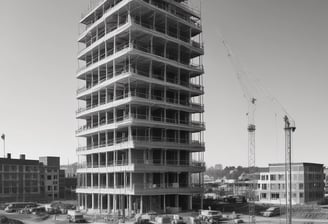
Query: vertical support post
<point x="86" y="202"/>
<point x="108" y="204"/>
<point x="92" y="201"/>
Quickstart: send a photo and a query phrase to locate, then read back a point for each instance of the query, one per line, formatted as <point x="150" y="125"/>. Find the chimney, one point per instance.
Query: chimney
<point x="22" y="156"/>
<point x="8" y="155"/>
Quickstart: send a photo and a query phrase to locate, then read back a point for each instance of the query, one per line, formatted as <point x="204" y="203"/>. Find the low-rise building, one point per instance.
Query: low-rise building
<point x="30" y="180"/>
<point x="20" y="179"/>
<point x="51" y="174"/>
<point x="307" y="184"/>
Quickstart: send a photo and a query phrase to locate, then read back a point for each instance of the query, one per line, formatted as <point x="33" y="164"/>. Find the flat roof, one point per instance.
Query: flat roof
<point x="19" y="161"/>
<point x="296" y="164"/>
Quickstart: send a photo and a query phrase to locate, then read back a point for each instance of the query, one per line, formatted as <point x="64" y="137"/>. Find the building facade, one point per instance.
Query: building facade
<point x="29" y="180"/>
<point x="307" y="184"/>
<point x="140" y="106"/>
<point x="20" y="179"/>
<point x="51" y="167"/>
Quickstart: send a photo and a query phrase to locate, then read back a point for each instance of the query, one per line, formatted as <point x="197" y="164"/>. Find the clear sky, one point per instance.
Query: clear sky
<point x="283" y="43"/>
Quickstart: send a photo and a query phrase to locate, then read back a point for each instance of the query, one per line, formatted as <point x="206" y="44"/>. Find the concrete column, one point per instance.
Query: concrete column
<point x="176" y="200"/>
<point x="141" y="204"/>
<point x="108" y="203"/>
<point x="101" y="203"/>
<point x="99" y="183"/>
<point x="107" y="181"/>
<point x="79" y="201"/>
<point x="190" y="202"/>
<point x="114" y="180"/>
<point x="164" y="203"/>
<point x="130" y="204"/>
<point x="114" y="203"/>
<point x="131" y="180"/>
<point x="129" y="155"/>
<point x="92" y="201"/>
<point x="106" y="155"/>
<point x="86" y="202"/>
<point x="124" y="179"/>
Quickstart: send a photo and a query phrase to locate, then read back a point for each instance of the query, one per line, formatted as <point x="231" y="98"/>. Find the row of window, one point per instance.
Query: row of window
<point x="299" y="186"/>
<point x="275" y="196"/>
<point x="15" y="168"/>
<point x="295" y="177"/>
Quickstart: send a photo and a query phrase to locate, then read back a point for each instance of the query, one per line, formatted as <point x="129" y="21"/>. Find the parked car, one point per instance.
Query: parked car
<point x="37" y="210"/>
<point x="272" y="211"/>
<point x="17" y="206"/>
<point x="163" y="220"/>
<point x="177" y="219"/>
<point x="210" y="216"/>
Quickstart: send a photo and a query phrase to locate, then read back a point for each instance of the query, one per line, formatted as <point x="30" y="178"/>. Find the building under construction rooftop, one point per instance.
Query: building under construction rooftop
<point x="141" y="107"/>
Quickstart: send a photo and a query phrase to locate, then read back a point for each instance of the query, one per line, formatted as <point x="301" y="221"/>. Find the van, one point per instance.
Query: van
<point x="75" y="216"/>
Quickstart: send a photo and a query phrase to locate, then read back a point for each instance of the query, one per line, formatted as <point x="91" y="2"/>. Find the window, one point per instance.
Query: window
<point x="55" y="177"/>
<point x="301" y="195"/>
<point x="272" y="177"/>
<point x="49" y="177"/>
<point x="49" y="188"/>
<point x="263" y="195"/>
<point x="264" y="186"/>
<point x="301" y="186"/>
<point x="275" y="196"/>
<point x="55" y="188"/>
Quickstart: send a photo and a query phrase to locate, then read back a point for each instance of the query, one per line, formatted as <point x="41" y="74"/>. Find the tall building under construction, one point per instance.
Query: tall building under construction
<point x="140" y="106"/>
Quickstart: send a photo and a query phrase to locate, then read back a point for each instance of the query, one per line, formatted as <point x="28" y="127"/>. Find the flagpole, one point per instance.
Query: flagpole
<point x="3" y="137"/>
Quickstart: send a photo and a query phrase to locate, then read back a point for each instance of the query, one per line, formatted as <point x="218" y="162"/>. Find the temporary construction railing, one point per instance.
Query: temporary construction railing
<point x="138" y="46"/>
<point x="175" y="101"/>
<point x="141" y="117"/>
<point x="112" y="163"/>
<point x="164" y="141"/>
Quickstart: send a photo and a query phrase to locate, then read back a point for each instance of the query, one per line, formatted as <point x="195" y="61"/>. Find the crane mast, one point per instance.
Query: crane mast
<point x="289" y="128"/>
<point x="251" y="158"/>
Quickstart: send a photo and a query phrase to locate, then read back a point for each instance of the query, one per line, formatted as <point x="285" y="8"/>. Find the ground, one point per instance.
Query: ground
<point x="61" y="219"/>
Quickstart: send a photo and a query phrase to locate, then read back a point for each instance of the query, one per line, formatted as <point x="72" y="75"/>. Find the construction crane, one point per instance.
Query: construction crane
<point x="249" y="90"/>
<point x="251" y="127"/>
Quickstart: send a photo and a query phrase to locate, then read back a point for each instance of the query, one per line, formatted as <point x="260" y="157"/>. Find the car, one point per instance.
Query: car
<point x="210" y="216"/>
<point x="272" y="211"/>
<point x="240" y="199"/>
<point x="177" y="219"/>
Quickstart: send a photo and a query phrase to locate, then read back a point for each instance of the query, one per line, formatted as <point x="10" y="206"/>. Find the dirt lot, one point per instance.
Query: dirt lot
<point x="61" y="219"/>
